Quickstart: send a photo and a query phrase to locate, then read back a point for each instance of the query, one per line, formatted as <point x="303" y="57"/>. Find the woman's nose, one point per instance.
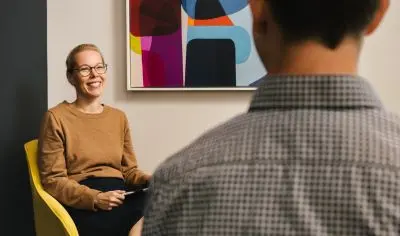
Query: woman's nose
<point x="93" y="72"/>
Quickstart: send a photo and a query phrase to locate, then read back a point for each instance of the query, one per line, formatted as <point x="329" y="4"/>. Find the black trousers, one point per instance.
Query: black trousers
<point x="118" y="221"/>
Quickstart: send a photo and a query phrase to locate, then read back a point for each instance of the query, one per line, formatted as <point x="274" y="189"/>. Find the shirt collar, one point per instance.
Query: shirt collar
<point x="314" y="91"/>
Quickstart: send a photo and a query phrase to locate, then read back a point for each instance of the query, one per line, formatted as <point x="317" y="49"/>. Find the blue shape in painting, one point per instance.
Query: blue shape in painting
<point x="237" y="34"/>
<point x="253" y="69"/>
<point x="229" y="6"/>
<point x="233" y="6"/>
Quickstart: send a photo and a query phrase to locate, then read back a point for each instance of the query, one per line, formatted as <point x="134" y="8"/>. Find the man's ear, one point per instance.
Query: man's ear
<point x="260" y="13"/>
<point x="379" y="15"/>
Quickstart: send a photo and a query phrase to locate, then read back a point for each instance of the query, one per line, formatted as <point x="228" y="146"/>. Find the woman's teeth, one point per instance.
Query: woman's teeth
<point x="94" y="84"/>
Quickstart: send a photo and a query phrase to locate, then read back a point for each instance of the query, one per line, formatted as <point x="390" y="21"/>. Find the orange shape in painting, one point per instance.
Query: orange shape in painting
<point x="219" y="21"/>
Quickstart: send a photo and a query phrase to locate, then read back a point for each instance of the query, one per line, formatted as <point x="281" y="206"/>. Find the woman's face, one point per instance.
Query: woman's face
<point x="89" y="77"/>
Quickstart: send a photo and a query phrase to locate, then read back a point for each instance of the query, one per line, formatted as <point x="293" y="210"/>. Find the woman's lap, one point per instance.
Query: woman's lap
<point x="118" y="221"/>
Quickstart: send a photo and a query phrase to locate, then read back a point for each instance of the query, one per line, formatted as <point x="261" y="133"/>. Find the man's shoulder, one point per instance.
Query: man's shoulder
<point x="385" y="119"/>
<point x="203" y="149"/>
<point x="392" y="117"/>
<point x="390" y="125"/>
<point x="226" y="141"/>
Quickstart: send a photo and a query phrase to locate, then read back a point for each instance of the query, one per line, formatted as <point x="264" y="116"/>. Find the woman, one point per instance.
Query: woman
<point x="86" y="158"/>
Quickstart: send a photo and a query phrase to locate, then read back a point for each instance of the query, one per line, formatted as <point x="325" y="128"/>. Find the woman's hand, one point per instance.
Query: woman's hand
<point x="147" y="177"/>
<point x="109" y="200"/>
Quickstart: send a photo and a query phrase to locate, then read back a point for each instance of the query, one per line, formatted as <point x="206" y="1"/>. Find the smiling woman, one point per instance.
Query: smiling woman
<point x="88" y="61"/>
<point x="86" y="158"/>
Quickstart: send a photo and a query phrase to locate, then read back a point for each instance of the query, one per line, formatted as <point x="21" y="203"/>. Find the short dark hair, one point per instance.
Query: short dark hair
<point x="326" y="21"/>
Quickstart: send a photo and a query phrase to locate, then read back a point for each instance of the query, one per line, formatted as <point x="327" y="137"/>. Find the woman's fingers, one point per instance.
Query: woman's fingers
<point x="119" y="194"/>
<point x="115" y="200"/>
<point x="111" y="199"/>
<point x="105" y="207"/>
<point x="111" y="204"/>
<point x="120" y="191"/>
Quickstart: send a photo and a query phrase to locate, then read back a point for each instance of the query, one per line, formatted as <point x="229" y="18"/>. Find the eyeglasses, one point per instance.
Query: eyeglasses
<point x="86" y="70"/>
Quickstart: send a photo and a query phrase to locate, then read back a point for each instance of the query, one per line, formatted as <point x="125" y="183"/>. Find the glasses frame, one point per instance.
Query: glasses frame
<point x="91" y="69"/>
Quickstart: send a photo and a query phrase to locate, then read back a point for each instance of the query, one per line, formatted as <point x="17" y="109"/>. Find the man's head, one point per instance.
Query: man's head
<point x="282" y="24"/>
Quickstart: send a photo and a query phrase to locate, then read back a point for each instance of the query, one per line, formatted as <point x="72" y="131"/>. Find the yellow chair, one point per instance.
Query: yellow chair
<point x="51" y="218"/>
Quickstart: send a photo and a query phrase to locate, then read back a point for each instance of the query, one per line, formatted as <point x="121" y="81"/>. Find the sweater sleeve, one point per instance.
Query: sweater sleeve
<point x="132" y="174"/>
<point x="53" y="170"/>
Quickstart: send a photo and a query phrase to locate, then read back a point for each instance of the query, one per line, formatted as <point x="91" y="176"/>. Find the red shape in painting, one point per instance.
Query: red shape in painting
<point x="153" y="70"/>
<point x="220" y="21"/>
<point x="154" y="17"/>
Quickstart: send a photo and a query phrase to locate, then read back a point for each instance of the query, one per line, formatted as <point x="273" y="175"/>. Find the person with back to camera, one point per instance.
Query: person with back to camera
<point x="86" y="159"/>
<point x="316" y="154"/>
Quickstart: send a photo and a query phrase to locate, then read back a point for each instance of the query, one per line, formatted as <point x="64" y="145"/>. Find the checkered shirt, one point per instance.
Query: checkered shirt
<point x="314" y="155"/>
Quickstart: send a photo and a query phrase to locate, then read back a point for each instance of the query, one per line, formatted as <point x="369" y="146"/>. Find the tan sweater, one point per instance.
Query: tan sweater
<point x="74" y="146"/>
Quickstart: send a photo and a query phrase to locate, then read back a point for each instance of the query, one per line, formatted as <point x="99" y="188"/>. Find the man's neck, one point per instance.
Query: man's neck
<point x="313" y="58"/>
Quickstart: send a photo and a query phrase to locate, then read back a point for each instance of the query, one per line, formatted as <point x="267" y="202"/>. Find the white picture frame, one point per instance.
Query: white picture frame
<point x="133" y="77"/>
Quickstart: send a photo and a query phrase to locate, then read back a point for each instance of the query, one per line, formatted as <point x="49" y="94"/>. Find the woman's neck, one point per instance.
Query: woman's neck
<point x="92" y="106"/>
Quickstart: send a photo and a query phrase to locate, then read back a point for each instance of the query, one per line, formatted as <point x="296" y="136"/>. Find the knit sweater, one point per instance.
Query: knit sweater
<point x="74" y="146"/>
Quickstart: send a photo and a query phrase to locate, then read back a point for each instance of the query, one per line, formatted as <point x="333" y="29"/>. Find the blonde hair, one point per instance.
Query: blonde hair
<point x="71" y="61"/>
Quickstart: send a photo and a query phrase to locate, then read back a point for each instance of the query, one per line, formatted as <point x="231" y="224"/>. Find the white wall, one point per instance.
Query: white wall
<point x="380" y="60"/>
<point x="163" y="122"/>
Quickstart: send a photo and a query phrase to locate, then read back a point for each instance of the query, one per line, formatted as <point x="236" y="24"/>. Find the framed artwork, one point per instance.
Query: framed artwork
<point x="191" y="45"/>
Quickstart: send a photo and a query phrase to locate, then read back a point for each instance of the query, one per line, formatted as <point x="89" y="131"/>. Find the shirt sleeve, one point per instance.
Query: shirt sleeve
<point x="53" y="170"/>
<point x="157" y="205"/>
<point x="166" y="210"/>
<point x="130" y="171"/>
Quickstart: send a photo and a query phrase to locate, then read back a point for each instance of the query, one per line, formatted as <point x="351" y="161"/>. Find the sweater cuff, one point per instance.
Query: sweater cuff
<point x="142" y="178"/>
<point x="88" y="199"/>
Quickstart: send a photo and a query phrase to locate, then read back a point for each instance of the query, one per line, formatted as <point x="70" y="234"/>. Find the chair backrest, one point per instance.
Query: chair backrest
<point x="51" y="218"/>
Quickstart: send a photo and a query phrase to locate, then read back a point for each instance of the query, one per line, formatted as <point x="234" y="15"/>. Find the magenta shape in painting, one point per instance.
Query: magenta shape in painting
<point x="166" y="54"/>
<point x="146" y="43"/>
<point x="153" y="70"/>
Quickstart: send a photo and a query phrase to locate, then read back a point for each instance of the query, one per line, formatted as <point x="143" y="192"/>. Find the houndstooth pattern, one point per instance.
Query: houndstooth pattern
<point x="315" y="155"/>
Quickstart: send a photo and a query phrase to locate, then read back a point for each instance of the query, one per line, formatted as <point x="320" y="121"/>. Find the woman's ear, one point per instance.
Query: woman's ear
<point x="379" y="15"/>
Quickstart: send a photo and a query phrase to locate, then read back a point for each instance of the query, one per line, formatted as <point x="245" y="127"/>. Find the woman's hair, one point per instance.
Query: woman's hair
<point x="71" y="61"/>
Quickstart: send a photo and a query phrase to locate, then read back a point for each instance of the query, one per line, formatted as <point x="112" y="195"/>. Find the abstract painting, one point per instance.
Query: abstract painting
<point x="191" y="44"/>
